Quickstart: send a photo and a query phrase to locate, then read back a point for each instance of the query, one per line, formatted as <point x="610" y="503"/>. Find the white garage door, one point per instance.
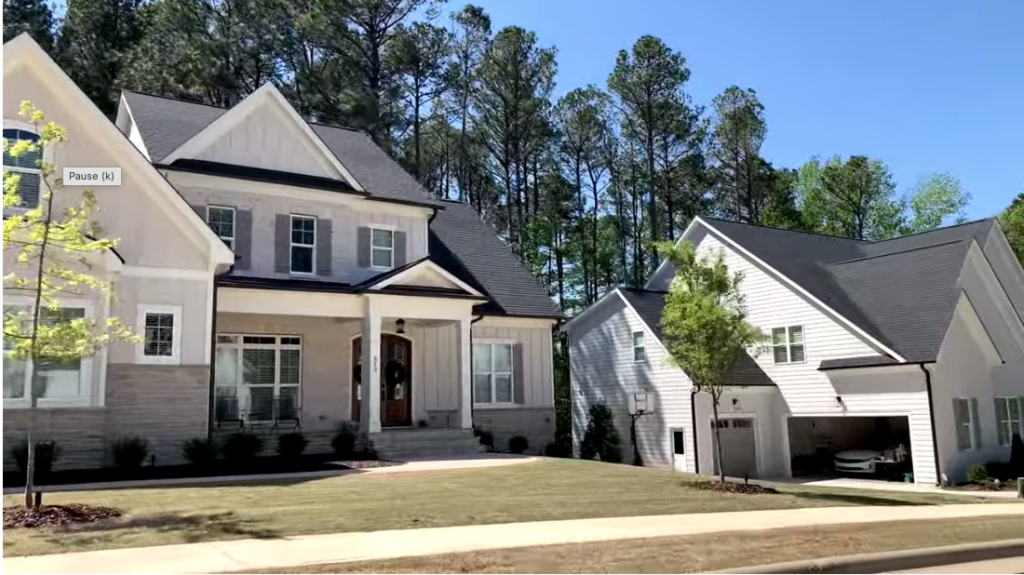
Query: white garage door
<point x="738" y="452"/>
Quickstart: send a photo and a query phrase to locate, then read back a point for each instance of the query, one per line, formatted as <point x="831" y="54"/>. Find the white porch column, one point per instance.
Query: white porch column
<point x="465" y="374"/>
<point x="369" y="418"/>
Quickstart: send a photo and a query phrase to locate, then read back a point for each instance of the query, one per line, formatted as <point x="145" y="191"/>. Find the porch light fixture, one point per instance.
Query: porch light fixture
<point x="400" y="325"/>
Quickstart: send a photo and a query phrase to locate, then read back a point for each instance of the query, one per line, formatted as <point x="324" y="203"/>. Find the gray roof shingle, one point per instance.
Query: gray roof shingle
<point x="465" y="245"/>
<point x="901" y="291"/>
<point x="649" y="305"/>
<point x="165" y="124"/>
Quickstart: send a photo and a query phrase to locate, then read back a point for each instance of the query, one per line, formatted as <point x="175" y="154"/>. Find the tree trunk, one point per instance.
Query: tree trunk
<point x="30" y="466"/>
<point x="718" y="440"/>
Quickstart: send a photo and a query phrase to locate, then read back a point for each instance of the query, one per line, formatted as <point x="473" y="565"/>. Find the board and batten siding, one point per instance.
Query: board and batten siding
<point x="535" y="343"/>
<point x="268" y="140"/>
<point x="345" y="223"/>
<point x="602" y="370"/>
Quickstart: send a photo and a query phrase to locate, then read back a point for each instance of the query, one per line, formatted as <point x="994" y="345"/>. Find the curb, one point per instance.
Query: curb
<point x="895" y="560"/>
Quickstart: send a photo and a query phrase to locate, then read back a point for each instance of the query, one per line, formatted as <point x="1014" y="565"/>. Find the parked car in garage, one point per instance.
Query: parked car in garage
<point x="889" y="461"/>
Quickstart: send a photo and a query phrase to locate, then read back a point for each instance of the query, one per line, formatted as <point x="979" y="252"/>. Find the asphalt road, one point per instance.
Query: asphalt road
<point x="1011" y="565"/>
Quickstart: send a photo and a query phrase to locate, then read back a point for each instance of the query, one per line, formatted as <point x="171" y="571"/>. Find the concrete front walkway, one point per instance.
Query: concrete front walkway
<point x="253" y="554"/>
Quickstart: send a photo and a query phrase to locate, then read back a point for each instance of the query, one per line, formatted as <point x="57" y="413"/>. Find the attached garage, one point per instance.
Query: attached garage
<point x="868" y="447"/>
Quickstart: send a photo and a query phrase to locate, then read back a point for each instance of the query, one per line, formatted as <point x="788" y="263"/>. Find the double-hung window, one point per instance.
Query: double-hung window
<point x="222" y="221"/>
<point x="492" y="373"/>
<point x="639" y="347"/>
<point x="1009" y="418"/>
<point x="60" y="382"/>
<point x="303" y="248"/>
<point x="259" y="370"/>
<point x="26" y="165"/>
<point x="382" y="248"/>
<point x="160" y="328"/>
<point x="965" y="417"/>
<point x="788" y="344"/>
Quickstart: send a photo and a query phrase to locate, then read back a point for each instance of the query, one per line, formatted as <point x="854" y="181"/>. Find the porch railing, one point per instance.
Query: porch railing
<point x="256" y="408"/>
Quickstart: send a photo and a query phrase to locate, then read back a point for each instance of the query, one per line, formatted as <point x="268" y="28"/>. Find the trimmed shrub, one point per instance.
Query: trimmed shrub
<point x="518" y="444"/>
<point x="129" y="452"/>
<point x="1016" y="457"/>
<point x="601" y="439"/>
<point x="556" y="449"/>
<point x="199" y="450"/>
<point x="978" y="474"/>
<point x="344" y="442"/>
<point x="486" y="439"/>
<point x="291" y="444"/>
<point x="242" y="446"/>
<point x="47" y="453"/>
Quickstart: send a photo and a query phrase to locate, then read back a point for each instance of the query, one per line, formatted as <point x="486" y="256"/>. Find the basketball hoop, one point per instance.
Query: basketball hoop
<point x="640" y="404"/>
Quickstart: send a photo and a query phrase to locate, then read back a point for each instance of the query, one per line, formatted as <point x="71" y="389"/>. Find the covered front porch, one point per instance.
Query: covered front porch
<point x="315" y="362"/>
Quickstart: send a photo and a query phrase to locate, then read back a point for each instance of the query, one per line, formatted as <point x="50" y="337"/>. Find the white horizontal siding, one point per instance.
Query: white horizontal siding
<point x="602" y="369"/>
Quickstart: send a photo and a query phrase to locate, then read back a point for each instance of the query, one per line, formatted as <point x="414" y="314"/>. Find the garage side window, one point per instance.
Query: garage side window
<point x="788" y="344"/>
<point x="965" y="416"/>
<point x="1008" y="419"/>
<point x="639" y="347"/>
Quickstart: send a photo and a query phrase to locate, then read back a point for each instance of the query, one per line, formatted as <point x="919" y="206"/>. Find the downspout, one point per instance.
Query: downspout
<point x="693" y="423"/>
<point x="931" y="417"/>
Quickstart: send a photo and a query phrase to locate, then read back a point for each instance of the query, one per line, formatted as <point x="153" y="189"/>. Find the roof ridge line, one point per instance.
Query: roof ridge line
<point x="906" y="251"/>
<point x="978" y="221"/>
<point x="793" y="230"/>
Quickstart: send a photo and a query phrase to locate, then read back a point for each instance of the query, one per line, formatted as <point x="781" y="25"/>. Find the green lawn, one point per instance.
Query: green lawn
<point x="697" y="554"/>
<point x="537" y="491"/>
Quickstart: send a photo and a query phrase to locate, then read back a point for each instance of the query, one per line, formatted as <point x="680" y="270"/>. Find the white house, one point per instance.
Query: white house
<point x="267" y="261"/>
<point x="916" y="340"/>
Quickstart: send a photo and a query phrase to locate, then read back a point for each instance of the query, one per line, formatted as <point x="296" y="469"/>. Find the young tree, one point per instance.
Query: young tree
<point x="51" y="245"/>
<point x="705" y="324"/>
<point x="935" y="198"/>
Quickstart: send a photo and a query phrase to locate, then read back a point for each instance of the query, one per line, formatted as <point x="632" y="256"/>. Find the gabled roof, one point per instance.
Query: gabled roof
<point x="462" y="243"/>
<point x="901" y="292"/>
<point x="23" y="48"/>
<point x="165" y="124"/>
<point x="649" y="306"/>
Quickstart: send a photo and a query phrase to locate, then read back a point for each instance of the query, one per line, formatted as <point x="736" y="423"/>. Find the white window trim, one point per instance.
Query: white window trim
<point x="240" y="386"/>
<point x="47" y="157"/>
<point x="383" y="228"/>
<point x="234" y="224"/>
<point x="140" y="348"/>
<point x="84" y="399"/>
<point x="292" y="244"/>
<point x="1020" y="418"/>
<point x="634" y="346"/>
<point x="512" y="374"/>
<point x="789" y="344"/>
<point x="969" y="423"/>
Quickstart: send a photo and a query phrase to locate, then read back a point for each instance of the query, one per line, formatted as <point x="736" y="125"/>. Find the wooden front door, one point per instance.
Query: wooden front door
<point x="395" y="380"/>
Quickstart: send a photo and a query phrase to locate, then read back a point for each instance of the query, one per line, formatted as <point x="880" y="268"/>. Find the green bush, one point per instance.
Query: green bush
<point x="344" y="442"/>
<point x="486" y="439"/>
<point x="47" y="454"/>
<point x="242" y="446"/>
<point x="291" y="444"/>
<point x="558" y="449"/>
<point x="518" y="444"/>
<point x="129" y="452"/>
<point x="998" y="470"/>
<point x="199" y="450"/>
<point x="977" y="474"/>
<point x="601" y="439"/>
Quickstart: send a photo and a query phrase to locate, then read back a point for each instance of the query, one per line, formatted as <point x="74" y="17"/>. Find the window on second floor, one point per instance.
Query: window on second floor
<point x="26" y="165"/>
<point x="639" y="347"/>
<point x="222" y="221"/>
<point x="303" y="248"/>
<point x="382" y="248"/>
<point x="788" y="344"/>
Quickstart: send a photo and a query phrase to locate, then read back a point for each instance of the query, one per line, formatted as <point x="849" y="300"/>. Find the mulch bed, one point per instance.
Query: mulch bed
<point x="732" y="487"/>
<point x="54" y="515"/>
<point x="368" y="463"/>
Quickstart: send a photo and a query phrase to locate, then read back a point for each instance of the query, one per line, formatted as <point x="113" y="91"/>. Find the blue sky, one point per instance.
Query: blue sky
<point x="924" y="85"/>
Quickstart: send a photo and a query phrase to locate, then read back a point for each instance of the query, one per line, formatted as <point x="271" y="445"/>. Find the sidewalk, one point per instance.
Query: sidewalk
<point x="253" y="554"/>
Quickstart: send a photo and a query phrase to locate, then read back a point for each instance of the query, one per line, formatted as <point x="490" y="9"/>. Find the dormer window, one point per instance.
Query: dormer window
<point x="382" y="248"/>
<point x="27" y="166"/>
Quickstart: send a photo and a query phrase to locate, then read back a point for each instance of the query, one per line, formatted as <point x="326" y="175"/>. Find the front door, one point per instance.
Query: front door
<point x="395" y="380"/>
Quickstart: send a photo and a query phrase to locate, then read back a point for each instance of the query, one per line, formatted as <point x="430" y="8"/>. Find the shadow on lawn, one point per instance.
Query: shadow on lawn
<point x="192" y="528"/>
<point x="851" y="499"/>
